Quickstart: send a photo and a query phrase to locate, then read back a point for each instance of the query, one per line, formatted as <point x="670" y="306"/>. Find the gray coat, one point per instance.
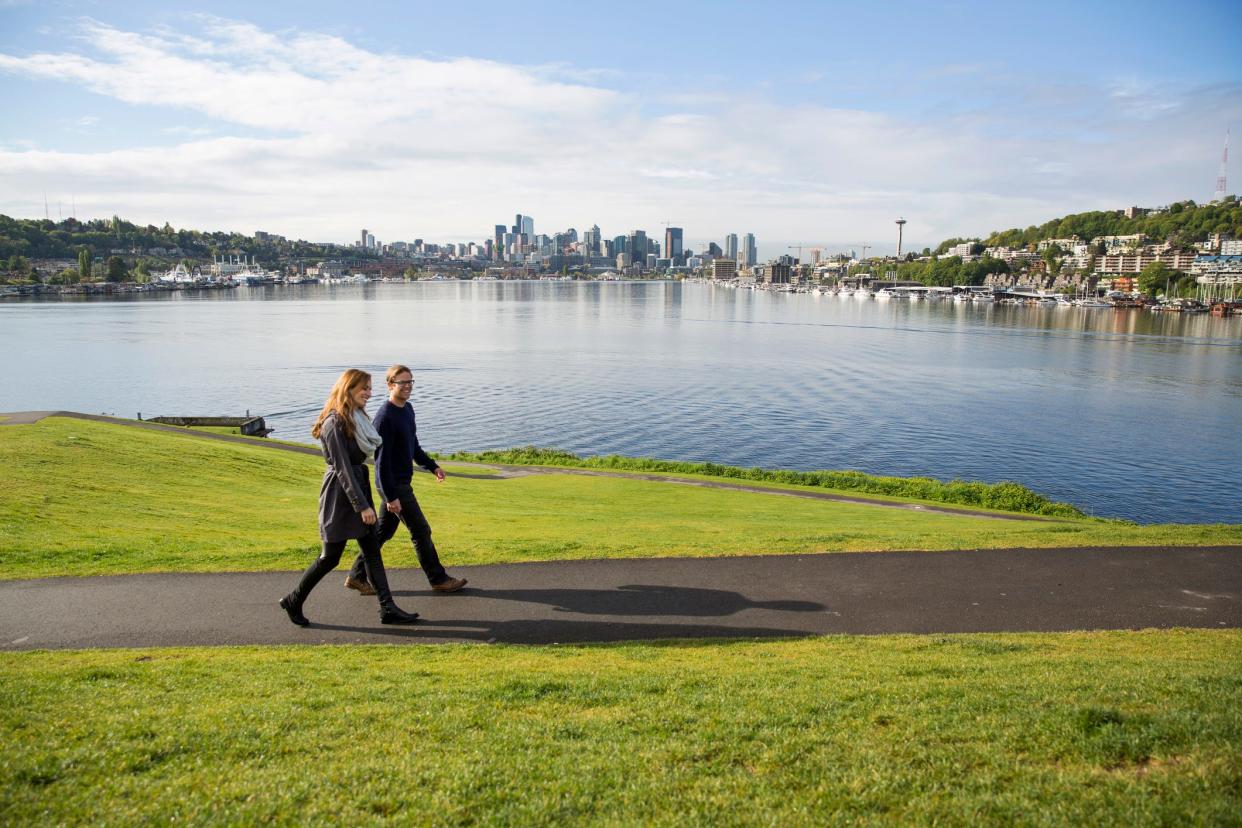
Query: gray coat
<point x="346" y="490"/>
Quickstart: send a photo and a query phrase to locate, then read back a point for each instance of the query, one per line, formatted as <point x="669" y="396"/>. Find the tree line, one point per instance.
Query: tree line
<point x="46" y="239"/>
<point x="1183" y="224"/>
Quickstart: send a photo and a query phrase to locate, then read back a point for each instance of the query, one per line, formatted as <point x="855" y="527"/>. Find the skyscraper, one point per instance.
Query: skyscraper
<point x="638" y="247"/>
<point x="731" y="246"/>
<point x="672" y="244"/>
<point x="363" y="241"/>
<point x="750" y="250"/>
<point x="591" y="239"/>
<point x="528" y="227"/>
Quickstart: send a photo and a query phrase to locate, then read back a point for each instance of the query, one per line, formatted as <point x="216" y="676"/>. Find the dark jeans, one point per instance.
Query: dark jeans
<point x="331" y="556"/>
<point x="420" y="534"/>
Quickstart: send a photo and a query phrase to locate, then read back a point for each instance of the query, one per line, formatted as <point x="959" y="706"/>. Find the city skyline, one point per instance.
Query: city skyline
<point x="299" y="121"/>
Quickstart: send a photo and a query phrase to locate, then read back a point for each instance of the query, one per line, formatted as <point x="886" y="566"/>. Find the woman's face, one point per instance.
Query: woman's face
<point x="361" y="394"/>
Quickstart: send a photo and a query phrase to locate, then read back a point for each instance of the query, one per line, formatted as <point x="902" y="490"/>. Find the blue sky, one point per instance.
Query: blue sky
<point x="813" y="123"/>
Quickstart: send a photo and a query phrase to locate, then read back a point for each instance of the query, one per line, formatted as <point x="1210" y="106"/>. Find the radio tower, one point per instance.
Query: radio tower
<point x="1224" y="165"/>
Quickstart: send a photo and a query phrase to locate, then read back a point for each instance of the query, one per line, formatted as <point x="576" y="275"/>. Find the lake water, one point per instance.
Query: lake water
<point x="1123" y="413"/>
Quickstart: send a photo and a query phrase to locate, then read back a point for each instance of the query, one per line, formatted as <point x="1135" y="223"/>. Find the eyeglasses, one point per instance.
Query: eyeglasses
<point x="406" y="383"/>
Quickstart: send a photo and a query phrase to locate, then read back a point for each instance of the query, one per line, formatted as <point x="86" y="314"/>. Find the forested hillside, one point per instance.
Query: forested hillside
<point x="1184" y="223"/>
<point x="44" y="239"/>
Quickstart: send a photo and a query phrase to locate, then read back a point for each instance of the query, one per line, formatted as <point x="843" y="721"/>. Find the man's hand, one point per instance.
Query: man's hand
<point x="439" y="473"/>
<point x="394" y="506"/>
<point x="368" y="516"/>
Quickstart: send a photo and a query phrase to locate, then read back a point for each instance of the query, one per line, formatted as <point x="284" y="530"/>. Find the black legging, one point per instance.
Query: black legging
<point x="331" y="556"/>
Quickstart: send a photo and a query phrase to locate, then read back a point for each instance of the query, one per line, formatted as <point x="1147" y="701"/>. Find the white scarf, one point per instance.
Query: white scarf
<point x="366" y="435"/>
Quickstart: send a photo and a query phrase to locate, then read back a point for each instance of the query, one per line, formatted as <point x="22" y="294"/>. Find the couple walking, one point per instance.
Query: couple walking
<point x="346" y="509"/>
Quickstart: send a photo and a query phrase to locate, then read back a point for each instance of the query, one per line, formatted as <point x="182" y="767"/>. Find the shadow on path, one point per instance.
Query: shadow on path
<point x="636" y="599"/>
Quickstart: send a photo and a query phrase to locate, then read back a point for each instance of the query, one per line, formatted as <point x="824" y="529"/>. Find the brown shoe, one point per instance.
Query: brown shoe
<point x="451" y="585"/>
<point x="363" y="587"/>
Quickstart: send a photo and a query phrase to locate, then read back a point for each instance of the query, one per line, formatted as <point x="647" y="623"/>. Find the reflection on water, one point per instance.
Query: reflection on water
<point x="1124" y="413"/>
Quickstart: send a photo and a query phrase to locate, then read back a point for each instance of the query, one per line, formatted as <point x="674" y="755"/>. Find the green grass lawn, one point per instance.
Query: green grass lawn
<point x="1108" y="728"/>
<point x="83" y="498"/>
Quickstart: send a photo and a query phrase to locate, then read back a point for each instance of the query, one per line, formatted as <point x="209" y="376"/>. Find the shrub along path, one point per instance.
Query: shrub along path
<point x="507" y="470"/>
<point x="998" y="590"/>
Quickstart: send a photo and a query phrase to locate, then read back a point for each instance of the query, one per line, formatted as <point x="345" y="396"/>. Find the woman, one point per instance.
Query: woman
<point x="346" y="510"/>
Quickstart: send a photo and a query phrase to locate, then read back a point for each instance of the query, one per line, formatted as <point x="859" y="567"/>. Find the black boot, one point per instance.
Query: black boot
<point x="321" y="566"/>
<point x="390" y="613"/>
<point x="293" y="606"/>
<point x="393" y="614"/>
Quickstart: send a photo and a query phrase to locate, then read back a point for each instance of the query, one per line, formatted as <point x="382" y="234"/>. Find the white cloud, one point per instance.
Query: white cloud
<point x="336" y="137"/>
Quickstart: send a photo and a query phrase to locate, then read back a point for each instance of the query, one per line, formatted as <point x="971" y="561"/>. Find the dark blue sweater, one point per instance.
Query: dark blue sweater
<point x="395" y="459"/>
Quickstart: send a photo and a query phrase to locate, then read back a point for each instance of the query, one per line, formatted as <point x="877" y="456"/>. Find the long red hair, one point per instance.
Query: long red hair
<point x="341" y="401"/>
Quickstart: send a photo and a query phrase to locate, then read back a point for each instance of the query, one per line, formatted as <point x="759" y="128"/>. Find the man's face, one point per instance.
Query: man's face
<point x="400" y="387"/>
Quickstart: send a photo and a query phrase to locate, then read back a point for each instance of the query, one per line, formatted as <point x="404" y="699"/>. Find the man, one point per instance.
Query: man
<point x="394" y="470"/>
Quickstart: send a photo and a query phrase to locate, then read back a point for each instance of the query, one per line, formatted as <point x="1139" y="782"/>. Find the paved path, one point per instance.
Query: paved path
<point x="588" y="601"/>
<point x="500" y="471"/>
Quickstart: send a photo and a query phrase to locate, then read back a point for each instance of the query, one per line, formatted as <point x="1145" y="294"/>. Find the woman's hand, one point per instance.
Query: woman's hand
<point x="368" y="516"/>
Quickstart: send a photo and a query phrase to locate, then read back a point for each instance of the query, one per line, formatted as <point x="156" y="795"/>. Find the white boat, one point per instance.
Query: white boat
<point x="178" y="275"/>
<point x="252" y="276"/>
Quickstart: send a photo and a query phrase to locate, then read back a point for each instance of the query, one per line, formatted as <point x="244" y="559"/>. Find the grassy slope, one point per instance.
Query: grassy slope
<point x="1005" y="496"/>
<point x="1090" y="728"/>
<point x="80" y="498"/>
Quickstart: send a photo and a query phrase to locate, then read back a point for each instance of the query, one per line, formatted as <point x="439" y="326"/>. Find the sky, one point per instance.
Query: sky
<point x="805" y="123"/>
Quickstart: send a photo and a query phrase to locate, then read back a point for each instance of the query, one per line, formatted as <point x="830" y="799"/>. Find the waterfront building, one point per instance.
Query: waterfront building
<point x="723" y="268"/>
<point x="1135" y="262"/>
<point x="1225" y="265"/>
